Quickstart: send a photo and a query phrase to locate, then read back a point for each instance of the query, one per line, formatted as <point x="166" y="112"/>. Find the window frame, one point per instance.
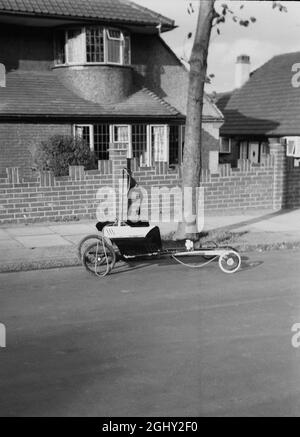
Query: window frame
<point x="56" y="58"/>
<point x="113" y="138"/>
<point x="149" y="151"/>
<point x="221" y="144"/>
<point x="180" y="134"/>
<point x="121" y="40"/>
<point x="144" y="152"/>
<point x="91" y="133"/>
<point x="166" y="143"/>
<point x="83" y="49"/>
<point x="295" y="153"/>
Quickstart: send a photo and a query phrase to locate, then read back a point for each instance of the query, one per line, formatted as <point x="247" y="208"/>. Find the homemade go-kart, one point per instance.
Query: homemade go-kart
<point x="124" y="240"/>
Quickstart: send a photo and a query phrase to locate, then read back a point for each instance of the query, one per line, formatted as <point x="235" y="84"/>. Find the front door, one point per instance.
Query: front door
<point x="253" y="155"/>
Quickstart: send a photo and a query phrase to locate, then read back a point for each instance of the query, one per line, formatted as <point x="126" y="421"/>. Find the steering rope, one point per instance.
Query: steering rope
<point x="106" y="260"/>
<point x="198" y="266"/>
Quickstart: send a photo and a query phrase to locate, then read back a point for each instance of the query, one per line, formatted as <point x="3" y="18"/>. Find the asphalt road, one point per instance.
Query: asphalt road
<point x="159" y="340"/>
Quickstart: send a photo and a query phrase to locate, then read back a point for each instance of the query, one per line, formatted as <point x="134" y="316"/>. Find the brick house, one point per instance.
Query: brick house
<point x="262" y="113"/>
<point x="98" y="69"/>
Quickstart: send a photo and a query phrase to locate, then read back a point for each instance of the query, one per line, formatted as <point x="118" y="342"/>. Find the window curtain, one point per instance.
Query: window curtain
<point x="159" y="143"/>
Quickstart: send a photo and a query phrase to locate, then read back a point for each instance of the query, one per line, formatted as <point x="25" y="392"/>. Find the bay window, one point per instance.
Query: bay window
<point x="92" y="45"/>
<point x="60" y="47"/>
<point x="75" y="45"/>
<point x="114" y="46"/>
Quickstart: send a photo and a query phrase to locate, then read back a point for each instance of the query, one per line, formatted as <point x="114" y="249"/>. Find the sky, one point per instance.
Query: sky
<point x="273" y="33"/>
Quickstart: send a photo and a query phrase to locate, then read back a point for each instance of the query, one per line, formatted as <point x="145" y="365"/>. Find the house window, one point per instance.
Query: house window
<point x="94" y="45"/>
<point x="101" y="141"/>
<point x="225" y="145"/>
<point x="85" y="132"/>
<point x="140" y="144"/>
<point x="75" y="46"/>
<point x="60" y="47"/>
<point x="97" y="137"/>
<point x="121" y="133"/>
<point x="293" y="147"/>
<point x="174" y="145"/>
<point x="114" y="46"/>
<point x="90" y="45"/>
<point x="159" y="143"/>
<point x="127" y="50"/>
<point x="149" y="144"/>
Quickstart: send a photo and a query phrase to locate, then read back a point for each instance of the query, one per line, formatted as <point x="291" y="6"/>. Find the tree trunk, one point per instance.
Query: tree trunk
<point x="193" y="144"/>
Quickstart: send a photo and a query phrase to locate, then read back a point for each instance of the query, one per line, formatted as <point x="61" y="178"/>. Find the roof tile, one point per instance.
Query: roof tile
<point x="41" y="94"/>
<point x="105" y="10"/>
<point x="267" y="104"/>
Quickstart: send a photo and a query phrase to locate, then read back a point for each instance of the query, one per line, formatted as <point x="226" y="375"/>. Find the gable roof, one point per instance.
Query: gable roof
<point x="210" y="110"/>
<point x="267" y="104"/>
<point x="37" y="93"/>
<point x="124" y="11"/>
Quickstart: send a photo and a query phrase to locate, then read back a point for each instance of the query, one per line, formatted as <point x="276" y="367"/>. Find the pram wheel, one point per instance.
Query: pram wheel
<point x="86" y="242"/>
<point x="230" y="262"/>
<point x="99" y="258"/>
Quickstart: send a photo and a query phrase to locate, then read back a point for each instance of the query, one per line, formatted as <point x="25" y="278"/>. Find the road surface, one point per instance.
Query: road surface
<point x="158" y="340"/>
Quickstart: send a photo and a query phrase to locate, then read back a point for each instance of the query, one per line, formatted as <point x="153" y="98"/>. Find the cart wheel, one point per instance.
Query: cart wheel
<point x="230" y="262"/>
<point x="86" y="242"/>
<point x="99" y="258"/>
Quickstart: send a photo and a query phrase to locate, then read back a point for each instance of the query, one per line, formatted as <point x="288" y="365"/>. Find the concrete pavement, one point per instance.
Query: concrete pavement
<point x="54" y="244"/>
<point x="158" y="340"/>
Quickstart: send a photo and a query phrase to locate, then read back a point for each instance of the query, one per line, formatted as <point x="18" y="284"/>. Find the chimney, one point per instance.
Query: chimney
<point x="2" y="76"/>
<point x="242" y="70"/>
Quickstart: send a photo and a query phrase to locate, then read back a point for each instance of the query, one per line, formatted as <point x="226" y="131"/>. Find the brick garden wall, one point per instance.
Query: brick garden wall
<point x="292" y="185"/>
<point x="241" y="188"/>
<point x="46" y="198"/>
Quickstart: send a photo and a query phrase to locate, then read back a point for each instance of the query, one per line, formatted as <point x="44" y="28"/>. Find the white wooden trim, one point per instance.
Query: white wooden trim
<point x="83" y="54"/>
<point x="128" y="131"/>
<point x="295" y="151"/>
<point x="91" y="133"/>
<point x="149" y="146"/>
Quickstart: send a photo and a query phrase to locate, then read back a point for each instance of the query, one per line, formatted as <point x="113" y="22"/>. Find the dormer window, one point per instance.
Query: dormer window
<point x="92" y="45"/>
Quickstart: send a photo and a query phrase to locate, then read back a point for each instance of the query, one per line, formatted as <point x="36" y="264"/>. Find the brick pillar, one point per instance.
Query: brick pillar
<point x="278" y="151"/>
<point x="118" y="158"/>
